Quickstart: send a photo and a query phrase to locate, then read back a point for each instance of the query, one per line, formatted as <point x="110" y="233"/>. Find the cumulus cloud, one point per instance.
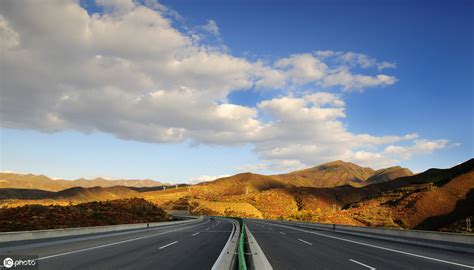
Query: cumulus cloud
<point x="422" y="146"/>
<point x="309" y="130"/>
<point x="350" y="81"/>
<point x="206" y="178"/>
<point x="130" y="72"/>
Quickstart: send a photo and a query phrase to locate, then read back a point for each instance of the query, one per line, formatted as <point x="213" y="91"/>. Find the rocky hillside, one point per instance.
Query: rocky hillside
<point x="437" y="199"/>
<point x="432" y="200"/>
<point x="388" y="174"/>
<point x="330" y="174"/>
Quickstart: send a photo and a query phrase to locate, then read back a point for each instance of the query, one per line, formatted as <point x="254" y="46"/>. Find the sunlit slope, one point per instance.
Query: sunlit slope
<point x="31" y="181"/>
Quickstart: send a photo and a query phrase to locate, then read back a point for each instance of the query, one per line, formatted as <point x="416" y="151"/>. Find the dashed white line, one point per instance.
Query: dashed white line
<point x="115" y="243"/>
<point x="195" y="234"/>
<point x="375" y="246"/>
<point x="170" y="244"/>
<point x="283" y="233"/>
<point x="207" y="229"/>
<point x="368" y="266"/>
<point x="306" y="242"/>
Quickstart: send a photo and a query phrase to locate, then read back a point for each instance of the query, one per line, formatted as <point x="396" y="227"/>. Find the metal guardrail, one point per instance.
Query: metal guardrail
<point x="52" y="233"/>
<point x="228" y="258"/>
<point x="241" y="249"/>
<point x="443" y="240"/>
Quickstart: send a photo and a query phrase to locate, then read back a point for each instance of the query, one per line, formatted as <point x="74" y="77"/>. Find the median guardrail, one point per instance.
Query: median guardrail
<point x="257" y="259"/>
<point x="443" y="240"/>
<point x="42" y="234"/>
<point x="241" y="251"/>
<point x="228" y="260"/>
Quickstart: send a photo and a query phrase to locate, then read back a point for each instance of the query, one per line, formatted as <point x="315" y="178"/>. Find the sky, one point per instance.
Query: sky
<point x="187" y="91"/>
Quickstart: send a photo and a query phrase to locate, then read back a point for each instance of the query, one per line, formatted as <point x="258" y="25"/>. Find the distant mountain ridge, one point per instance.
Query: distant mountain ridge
<point x="336" y="173"/>
<point x="41" y="182"/>
<point x="332" y="174"/>
<point x="388" y="174"/>
<point x="436" y="199"/>
<point x="339" y="173"/>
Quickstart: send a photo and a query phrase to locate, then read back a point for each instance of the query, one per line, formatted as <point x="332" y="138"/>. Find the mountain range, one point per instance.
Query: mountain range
<point x="31" y="181"/>
<point x="335" y="192"/>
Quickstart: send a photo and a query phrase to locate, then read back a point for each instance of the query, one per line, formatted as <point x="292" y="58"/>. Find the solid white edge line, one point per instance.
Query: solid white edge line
<point x="374" y="246"/>
<point x="306" y="242"/>
<point x="115" y="243"/>
<point x="170" y="244"/>
<point x="214" y="267"/>
<point x="368" y="266"/>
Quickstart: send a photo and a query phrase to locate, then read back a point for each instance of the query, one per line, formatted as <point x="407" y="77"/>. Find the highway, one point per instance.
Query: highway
<point x="199" y="244"/>
<point x="184" y="246"/>
<point x="294" y="247"/>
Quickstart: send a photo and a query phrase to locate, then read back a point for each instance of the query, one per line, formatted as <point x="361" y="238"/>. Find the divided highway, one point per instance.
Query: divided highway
<point x="185" y="246"/>
<point x="198" y="245"/>
<point x="294" y="247"/>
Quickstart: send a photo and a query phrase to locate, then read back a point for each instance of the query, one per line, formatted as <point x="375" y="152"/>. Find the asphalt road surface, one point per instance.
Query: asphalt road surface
<point x="186" y="246"/>
<point x="294" y="247"/>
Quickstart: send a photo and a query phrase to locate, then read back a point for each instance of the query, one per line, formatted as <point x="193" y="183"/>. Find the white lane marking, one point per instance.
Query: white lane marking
<point x="170" y="244"/>
<point x="306" y="242"/>
<point x="222" y="254"/>
<point x="115" y="243"/>
<point x="379" y="247"/>
<point x="207" y="229"/>
<point x="368" y="266"/>
<point x="270" y="229"/>
<point x="283" y="233"/>
<point x="195" y="234"/>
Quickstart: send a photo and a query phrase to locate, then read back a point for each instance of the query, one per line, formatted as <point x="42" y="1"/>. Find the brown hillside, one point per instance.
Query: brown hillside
<point x="431" y="200"/>
<point x="388" y="174"/>
<point x="24" y="194"/>
<point x="331" y="174"/>
<point x="31" y="181"/>
<point x="238" y="184"/>
<point x="80" y="194"/>
<point x="41" y="182"/>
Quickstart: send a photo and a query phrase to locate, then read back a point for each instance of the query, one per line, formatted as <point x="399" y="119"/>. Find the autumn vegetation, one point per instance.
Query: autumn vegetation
<point x="98" y="213"/>
<point x="337" y="192"/>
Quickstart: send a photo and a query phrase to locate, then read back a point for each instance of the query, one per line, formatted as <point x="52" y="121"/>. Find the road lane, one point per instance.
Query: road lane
<point x="285" y="251"/>
<point x="140" y="250"/>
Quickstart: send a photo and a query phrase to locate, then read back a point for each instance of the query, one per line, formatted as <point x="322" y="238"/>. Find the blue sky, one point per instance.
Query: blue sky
<point x="427" y="89"/>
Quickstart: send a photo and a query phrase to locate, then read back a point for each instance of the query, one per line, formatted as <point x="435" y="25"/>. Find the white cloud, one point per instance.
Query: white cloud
<point x="129" y="72"/>
<point x="421" y="146"/>
<point x="350" y="81"/>
<point x="211" y="27"/>
<point x="206" y="178"/>
<point x="302" y="68"/>
<point x="355" y="59"/>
